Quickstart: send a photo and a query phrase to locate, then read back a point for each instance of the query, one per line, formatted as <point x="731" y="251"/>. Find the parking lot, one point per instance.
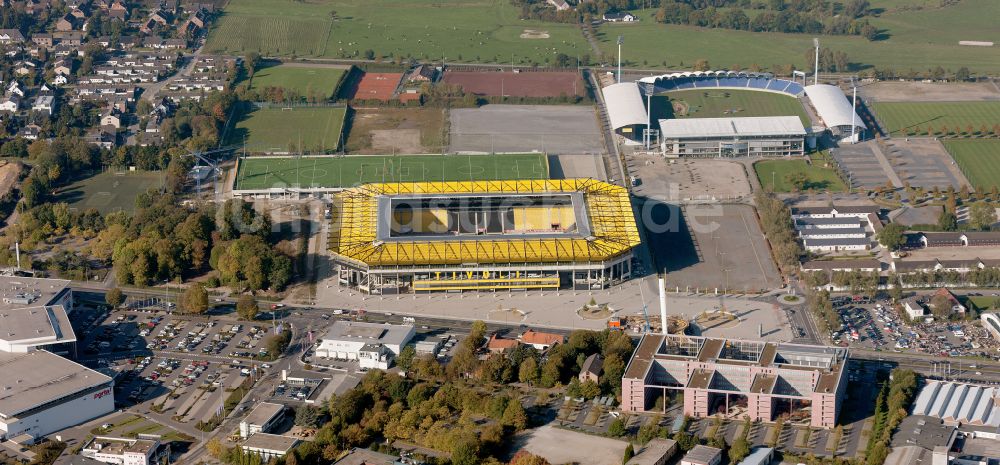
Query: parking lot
<point x="860" y="162"/>
<point x="551" y="129"/>
<point x="923" y="162"/>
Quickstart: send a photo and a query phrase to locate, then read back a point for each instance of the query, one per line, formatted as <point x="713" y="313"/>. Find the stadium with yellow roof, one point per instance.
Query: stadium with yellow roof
<point x="401" y="237"/>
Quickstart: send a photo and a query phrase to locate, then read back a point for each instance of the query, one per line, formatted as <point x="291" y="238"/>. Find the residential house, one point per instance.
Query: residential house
<point x="70" y="38"/>
<point x="592" y="368"/>
<point x="111" y="118"/>
<point x="11" y="36"/>
<point x="199" y="18"/>
<point x="63" y="67"/>
<point x="10" y="102"/>
<point x="499" y="345"/>
<point x="43" y="40"/>
<point x="914" y="309"/>
<point x="956" y="306"/>
<point x="15" y="88"/>
<point x="44" y="104"/>
<point x="25" y="67"/>
<point x="541" y="341"/>
<point x="101" y="137"/>
<point x="80" y="15"/>
<point x="560" y="5"/>
<point x="118" y="10"/>
<point x="30" y="132"/>
<point x="620" y="17"/>
<point x="161" y="17"/>
<point x="66" y="23"/>
<point x="61" y="79"/>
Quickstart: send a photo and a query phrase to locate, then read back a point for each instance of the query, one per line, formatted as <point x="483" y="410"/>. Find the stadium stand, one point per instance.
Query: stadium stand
<point x="724" y="80"/>
<point x="626" y="110"/>
<point x="834" y="108"/>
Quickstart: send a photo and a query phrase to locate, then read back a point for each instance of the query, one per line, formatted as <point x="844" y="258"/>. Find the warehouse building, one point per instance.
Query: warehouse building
<point x="143" y="450"/>
<point x="41" y="393"/>
<point x="373" y="345"/>
<point x="763" y="380"/>
<point x="396" y="238"/>
<point x="261" y="419"/>
<point x="774" y="136"/>
<point x="959" y="403"/>
<point x="269" y="446"/>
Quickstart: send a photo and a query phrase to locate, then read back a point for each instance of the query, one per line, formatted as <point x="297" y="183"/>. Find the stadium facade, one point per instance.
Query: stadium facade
<point x="391" y="238"/>
<point x="776" y="136"/>
<point x="758" y="379"/>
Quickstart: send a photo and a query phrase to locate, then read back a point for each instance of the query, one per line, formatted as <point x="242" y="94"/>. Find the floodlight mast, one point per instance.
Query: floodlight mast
<point x="816" y="68"/>
<point x="620" y="41"/>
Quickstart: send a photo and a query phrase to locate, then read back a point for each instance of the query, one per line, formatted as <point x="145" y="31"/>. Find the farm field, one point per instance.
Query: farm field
<point x="780" y="172"/>
<point x="979" y="161"/>
<point x="109" y="191"/>
<point x="917" y="117"/>
<point x="321" y="81"/>
<point x="453" y="30"/>
<point x="332" y="172"/>
<point x="316" y="129"/>
<point x="722" y="103"/>
<point x="917" y="39"/>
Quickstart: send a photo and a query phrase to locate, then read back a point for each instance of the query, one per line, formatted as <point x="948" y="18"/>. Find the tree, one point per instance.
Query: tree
<point x="252" y="61"/>
<point x="589" y="389"/>
<point x="528" y="371"/>
<point x="962" y="74"/>
<point x="941" y="306"/>
<point x="891" y="236"/>
<point x="701" y="65"/>
<point x="465" y="452"/>
<point x="246" y="307"/>
<point x="307" y="416"/>
<point x="406" y="357"/>
<point x="629" y="453"/>
<point x="195" y="299"/>
<point x="739" y="450"/>
<point x="798" y="180"/>
<point x="114" y="297"/>
<point x="686" y="441"/>
<point x="617" y="428"/>
<point x="982" y="215"/>
<point x="947" y="221"/>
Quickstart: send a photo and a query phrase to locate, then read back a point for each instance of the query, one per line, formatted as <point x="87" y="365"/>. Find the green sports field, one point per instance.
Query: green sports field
<point x="778" y="172"/>
<point x="724" y="103"/>
<point x="319" y="81"/>
<point x="333" y="172"/>
<point x="317" y="129"/>
<point x="451" y="30"/>
<point x="918" y="117"/>
<point x="979" y="159"/>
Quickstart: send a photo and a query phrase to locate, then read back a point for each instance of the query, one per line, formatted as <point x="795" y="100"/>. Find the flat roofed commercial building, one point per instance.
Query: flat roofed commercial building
<point x="261" y="419"/>
<point x="143" y="450"/>
<point x="269" y="446"/>
<point x="41" y="393"/>
<point x="456" y="236"/>
<point x="702" y="455"/>
<point x="29" y="328"/>
<point x="773" y="136"/>
<point x="656" y="452"/>
<point x="345" y="339"/>
<point x="766" y="378"/>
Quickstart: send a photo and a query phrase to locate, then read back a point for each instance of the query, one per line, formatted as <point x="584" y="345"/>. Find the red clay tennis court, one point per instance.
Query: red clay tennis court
<point x="376" y="86"/>
<point x="522" y="84"/>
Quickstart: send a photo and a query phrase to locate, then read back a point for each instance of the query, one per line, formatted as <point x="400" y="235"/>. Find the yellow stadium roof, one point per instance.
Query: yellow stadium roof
<point x="612" y="228"/>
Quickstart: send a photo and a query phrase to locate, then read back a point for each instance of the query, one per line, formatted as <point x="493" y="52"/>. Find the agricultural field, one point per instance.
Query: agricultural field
<point x="453" y="30"/>
<point x="978" y="159"/>
<point x="724" y="103"/>
<point x="110" y="191"/>
<point x="321" y="81"/>
<point x="332" y="172"/>
<point x="309" y="129"/>
<point x="919" y="35"/>
<point x="781" y="174"/>
<point x="918" y="117"/>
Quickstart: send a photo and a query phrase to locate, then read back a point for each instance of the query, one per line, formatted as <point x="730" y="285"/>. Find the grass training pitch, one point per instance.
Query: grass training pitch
<point x="918" y="117"/>
<point x="321" y="81"/>
<point x="109" y="191"/>
<point x="724" y="103"/>
<point x="452" y="30"/>
<point x="979" y="160"/>
<point x="318" y="129"/>
<point x="334" y="172"/>
<point x="782" y="172"/>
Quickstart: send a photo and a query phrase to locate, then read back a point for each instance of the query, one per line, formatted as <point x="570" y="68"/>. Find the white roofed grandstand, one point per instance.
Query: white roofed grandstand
<point x="833" y="108"/>
<point x="960" y="403"/>
<point x="735" y="127"/>
<point x="624" y="104"/>
<point x="725" y="80"/>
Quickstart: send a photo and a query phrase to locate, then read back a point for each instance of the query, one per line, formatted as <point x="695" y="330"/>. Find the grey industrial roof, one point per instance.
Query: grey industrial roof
<point x="35" y="378"/>
<point x="731" y="127"/>
<point x="275" y="442"/>
<point x="37" y="291"/>
<point x="654" y="452"/>
<point x="368" y="333"/>
<point x="263" y="413"/>
<point x="846" y="241"/>
<point x="760" y="456"/>
<point x="828" y="231"/>
<point x="50" y="325"/>
<point x="832" y="105"/>
<point x="702" y="454"/>
<point x="959" y="402"/>
<point x="367" y="457"/>
<point x="624" y="104"/>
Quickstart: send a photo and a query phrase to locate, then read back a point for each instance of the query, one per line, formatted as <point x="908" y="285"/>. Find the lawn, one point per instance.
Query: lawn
<point x="282" y="130"/>
<point x="321" y="81"/>
<point x="720" y="103"/>
<point x="978" y="159"/>
<point x="452" y="30"/>
<point x="779" y="173"/>
<point x="110" y="191"/>
<point x="913" y="39"/>
<point x="332" y="171"/>
<point x="917" y="117"/>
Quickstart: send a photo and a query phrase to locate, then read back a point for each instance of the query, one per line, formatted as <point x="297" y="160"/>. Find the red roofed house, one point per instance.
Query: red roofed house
<point x="499" y="345"/>
<point x="541" y="341"/>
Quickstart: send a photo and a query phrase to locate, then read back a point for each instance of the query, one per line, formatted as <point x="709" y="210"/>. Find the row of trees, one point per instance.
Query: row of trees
<point x="776" y="222"/>
<point x="787" y="20"/>
<point x="890" y="409"/>
<point x="985" y="277"/>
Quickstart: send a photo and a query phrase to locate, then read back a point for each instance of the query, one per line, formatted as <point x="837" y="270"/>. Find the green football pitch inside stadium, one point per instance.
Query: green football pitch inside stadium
<point x="334" y="172"/>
